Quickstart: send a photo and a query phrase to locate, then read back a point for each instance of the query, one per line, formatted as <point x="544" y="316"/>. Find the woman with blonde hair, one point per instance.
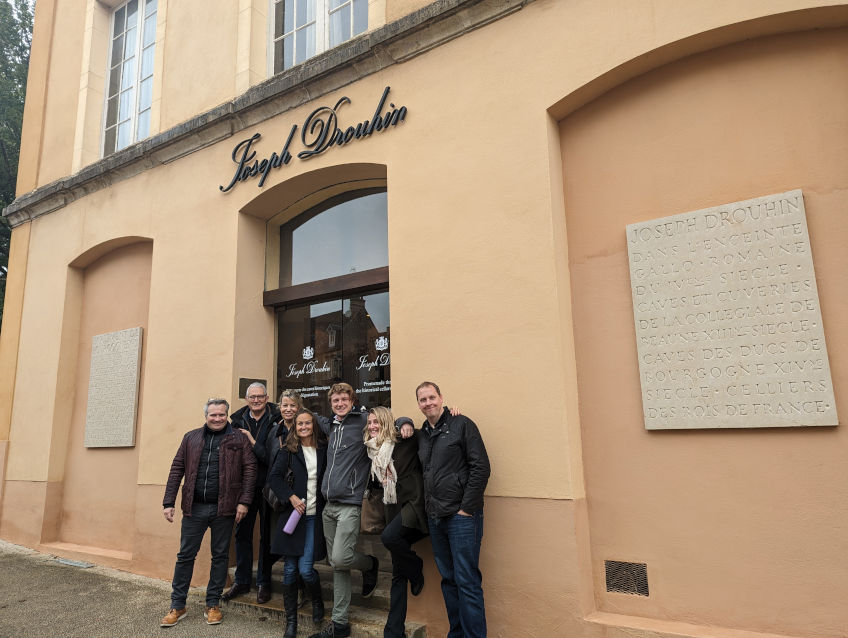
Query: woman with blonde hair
<point x="396" y="467"/>
<point x="290" y="403"/>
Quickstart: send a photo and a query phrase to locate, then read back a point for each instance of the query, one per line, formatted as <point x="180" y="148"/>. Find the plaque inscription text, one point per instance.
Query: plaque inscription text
<point x="113" y="389"/>
<point x="728" y="325"/>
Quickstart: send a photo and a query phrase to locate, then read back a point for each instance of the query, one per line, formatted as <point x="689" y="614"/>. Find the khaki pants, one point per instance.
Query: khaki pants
<point x="341" y="530"/>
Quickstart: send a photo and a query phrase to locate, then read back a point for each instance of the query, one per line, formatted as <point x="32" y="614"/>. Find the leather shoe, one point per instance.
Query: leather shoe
<point x="263" y="594"/>
<point x="173" y="617"/>
<point x="213" y="615"/>
<point x="236" y="590"/>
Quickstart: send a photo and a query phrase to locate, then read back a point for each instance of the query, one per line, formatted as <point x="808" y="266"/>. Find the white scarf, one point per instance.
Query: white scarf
<point x="383" y="468"/>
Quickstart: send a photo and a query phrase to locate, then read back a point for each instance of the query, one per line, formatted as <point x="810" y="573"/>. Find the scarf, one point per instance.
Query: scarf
<point x="383" y="468"/>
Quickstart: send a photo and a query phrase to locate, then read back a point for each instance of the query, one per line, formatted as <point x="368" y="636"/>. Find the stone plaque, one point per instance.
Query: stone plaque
<point x="728" y="326"/>
<point x="113" y="389"/>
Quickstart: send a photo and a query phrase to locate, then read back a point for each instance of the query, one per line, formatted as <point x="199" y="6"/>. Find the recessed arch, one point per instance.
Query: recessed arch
<point x="790" y="21"/>
<point x="295" y="195"/>
<point x="92" y="254"/>
<point x="755" y="116"/>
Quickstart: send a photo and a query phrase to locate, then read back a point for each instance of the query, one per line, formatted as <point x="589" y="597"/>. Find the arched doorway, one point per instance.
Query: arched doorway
<point x="331" y="298"/>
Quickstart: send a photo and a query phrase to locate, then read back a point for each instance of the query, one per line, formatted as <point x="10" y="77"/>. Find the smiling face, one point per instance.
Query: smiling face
<point x="288" y="408"/>
<point x="257" y="399"/>
<point x="216" y="417"/>
<point x="305" y="428"/>
<point x="373" y="426"/>
<point x="430" y="403"/>
<point x="341" y="403"/>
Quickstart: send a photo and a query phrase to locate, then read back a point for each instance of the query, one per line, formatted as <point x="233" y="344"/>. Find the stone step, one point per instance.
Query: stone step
<point x="367" y="615"/>
<point x="368" y="544"/>
<point x="364" y="622"/>
<point x="379" y="600"/>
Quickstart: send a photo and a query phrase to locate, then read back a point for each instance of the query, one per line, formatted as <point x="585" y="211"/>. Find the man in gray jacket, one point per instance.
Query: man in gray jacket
<point x="344" y="484"/>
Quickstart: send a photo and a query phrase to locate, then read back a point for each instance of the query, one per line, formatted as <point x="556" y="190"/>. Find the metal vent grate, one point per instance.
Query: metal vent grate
<point x="627" y="578"/>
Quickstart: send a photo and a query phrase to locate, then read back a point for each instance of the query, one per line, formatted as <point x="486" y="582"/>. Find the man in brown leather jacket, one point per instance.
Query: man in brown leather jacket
<point x="220" y="473"/>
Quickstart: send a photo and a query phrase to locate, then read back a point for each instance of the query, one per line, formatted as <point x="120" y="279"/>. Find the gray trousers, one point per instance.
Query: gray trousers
<point x="341" y="530"/>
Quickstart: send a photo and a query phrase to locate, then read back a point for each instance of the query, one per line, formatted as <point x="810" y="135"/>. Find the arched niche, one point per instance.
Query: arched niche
<point x="827" y="17"/>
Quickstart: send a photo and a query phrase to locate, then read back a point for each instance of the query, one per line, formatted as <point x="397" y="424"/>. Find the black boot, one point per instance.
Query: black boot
<point x="304" y="592"/>
<point x="290" y="603"/>
<point x="317" y="601"/>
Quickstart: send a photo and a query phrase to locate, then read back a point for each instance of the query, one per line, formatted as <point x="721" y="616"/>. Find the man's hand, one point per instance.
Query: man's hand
<point x="455" y="411"/>
<point x="463" y="513"/>
<point x="241" y="512"/>
<point x="168" y="513"/>
<point x="406" y="431"/>
<point x="298" y="504"/>
<point x="248" y="435"/>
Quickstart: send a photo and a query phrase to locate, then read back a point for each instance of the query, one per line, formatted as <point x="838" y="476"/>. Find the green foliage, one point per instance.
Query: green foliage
<point x="15" y="39"/>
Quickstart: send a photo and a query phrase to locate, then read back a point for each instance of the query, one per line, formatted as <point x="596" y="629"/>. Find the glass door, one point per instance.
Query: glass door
<point x="343" y="340"/>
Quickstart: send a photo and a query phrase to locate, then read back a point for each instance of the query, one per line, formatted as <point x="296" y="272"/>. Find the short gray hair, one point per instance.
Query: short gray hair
<point x="256" y="384"/>
<point x="223" y="402"/>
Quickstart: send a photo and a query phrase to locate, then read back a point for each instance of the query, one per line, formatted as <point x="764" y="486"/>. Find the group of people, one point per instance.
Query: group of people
<point x="432" y="480"/>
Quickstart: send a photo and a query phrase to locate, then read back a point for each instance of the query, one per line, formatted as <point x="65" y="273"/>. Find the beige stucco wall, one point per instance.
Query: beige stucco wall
<point x="480" y="292"/>
<point x="62" y="92"/>
<point x="196" y="78"/>
<point x="115" y="295"/>
<point x="737" y="528"/>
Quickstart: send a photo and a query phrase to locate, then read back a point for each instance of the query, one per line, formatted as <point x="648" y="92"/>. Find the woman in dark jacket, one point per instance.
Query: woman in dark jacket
<point x="305" y="454"/>
<point x="395" y="465"/>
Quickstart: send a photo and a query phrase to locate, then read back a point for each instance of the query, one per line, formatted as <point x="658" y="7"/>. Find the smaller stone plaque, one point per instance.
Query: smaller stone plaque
<point x="728" y="326"/>
<point x="113" y="389"/>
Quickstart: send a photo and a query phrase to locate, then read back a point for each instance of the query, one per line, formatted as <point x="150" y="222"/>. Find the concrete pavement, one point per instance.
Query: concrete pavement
<point x="41" y="597"/>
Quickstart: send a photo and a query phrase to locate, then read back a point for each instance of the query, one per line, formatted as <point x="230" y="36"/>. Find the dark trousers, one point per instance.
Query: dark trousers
<point x="244" y="544"/>
<point x="406" y="568"/>
<point x="456" y="547"/>
<point x="203" y="516"/>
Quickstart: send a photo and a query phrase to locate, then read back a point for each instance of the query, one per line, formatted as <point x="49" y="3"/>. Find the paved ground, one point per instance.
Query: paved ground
<point x="43" y="598"/>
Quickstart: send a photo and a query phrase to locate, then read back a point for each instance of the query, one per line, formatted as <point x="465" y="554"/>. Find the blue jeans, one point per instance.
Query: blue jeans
<point x="303" y="563"/>
<point x="456" y="547"/>
<point x="203" y="516"/>
<point x="244" y="544"/>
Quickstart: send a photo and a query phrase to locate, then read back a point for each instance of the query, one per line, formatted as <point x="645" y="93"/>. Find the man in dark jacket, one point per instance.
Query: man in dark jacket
<point x="456" y="471"/>
<point x="258" y="421"/>
<point x="220" y="473"/>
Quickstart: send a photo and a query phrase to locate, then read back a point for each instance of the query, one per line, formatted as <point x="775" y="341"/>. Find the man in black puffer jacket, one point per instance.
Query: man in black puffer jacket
<point x="456" y="471"/>
<point x="258" y="421"/>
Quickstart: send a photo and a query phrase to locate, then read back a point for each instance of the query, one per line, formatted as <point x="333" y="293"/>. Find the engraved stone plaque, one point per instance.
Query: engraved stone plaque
<point x="113" y="389"/>
<point x="728" y="325"/>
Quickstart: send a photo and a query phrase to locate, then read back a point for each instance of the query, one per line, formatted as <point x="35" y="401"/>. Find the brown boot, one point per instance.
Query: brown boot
<point x="173" y="617"/>
<point x="213" y="615"/>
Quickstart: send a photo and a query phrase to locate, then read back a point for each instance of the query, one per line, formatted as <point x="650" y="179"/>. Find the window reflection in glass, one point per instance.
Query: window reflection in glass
<point x="348" y="234"/>
<point x="342" y="340"/>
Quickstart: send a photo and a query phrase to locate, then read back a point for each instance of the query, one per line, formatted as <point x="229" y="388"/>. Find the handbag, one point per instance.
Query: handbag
<point x="373" y="518"/>
<point x="270" y="496"/>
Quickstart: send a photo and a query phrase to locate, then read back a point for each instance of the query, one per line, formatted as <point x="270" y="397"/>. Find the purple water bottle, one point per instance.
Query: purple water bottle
<point x="294" y="519"/>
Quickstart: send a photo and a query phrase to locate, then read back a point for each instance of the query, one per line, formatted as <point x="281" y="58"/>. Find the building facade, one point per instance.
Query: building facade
<point x="265" y="187"/>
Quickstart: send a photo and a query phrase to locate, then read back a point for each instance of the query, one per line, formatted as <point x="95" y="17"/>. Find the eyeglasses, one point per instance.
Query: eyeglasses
<point x="256" y="397"/>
